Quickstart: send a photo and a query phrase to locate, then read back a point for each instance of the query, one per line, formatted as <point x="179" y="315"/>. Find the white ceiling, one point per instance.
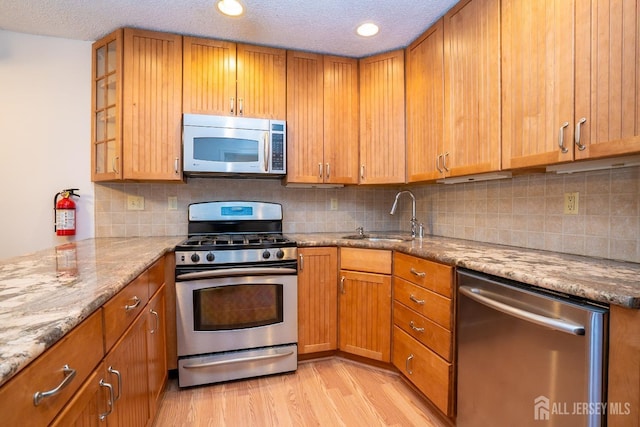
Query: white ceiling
<point x="325" y="26"/>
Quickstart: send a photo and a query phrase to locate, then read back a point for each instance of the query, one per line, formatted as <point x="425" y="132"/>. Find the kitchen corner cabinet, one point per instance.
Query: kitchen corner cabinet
<point x="364" y="322"/>
<point x="322" y="119"/>
<point x="136" y="106"/>
<point x="317" y="299"/>
<point x="423" y="339"/>
<point x="225" y="78"/>
<point x="382" y="119"/>
<point x="570" y="80"/>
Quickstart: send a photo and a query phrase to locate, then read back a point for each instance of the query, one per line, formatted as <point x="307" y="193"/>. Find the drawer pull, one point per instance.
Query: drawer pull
<point x="417" y="273"/>
<point x="407" y="364"/>
<point x="415" y="328"/>
<point x="69" y="375"/>
<point x="117" y="374"/>
<point x="102" y="417"/>
<point x="416" y="300"/>
<point x="136" y="303"/>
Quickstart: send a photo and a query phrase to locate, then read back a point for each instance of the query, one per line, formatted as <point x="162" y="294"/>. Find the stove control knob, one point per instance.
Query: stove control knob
<point x="195" y="258"/>
<point x="280" y="254"/>
<point x="210" y="257"/>
<point x="266" y="255"/>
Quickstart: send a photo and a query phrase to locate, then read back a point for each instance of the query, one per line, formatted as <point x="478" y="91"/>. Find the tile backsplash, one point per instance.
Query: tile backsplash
<point x="525" y="211"/>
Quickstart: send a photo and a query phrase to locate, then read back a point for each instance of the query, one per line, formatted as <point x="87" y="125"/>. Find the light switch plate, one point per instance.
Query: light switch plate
<point x="135" y="203"/>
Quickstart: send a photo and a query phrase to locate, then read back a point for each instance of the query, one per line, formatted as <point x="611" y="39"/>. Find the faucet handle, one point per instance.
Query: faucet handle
<point x="360" y="230"/>
<point x="421" y="230"/>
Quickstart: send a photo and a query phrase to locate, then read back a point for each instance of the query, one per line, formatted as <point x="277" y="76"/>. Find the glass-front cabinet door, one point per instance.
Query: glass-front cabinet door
<point x="106" y="159"/>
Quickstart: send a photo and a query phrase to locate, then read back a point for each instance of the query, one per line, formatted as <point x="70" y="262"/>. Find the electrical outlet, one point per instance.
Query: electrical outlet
<point x="571" y="203"/>
<point x="135" y="203"/>
<point x="334" y="204"/>
<point x="172" y="203"/>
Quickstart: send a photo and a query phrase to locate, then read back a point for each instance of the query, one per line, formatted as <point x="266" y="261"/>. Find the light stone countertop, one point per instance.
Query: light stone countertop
<point x="605" y="281"/>
<point x="43" y="295"/>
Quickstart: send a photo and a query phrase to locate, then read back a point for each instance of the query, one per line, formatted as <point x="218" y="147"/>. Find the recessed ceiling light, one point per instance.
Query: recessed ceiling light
<point x="367" y="29"/>
<point x="230" y="7"/>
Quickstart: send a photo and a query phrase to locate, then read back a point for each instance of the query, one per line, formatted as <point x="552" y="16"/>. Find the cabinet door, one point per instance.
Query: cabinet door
<point x="472" y="88"/>
<point x="537" y="82"/>
<point x="305" y="136"/>
<point x="129" y="358"/>
<point x="341" y="120"/>
<point x="382" y="142"/>
<point x="156" y="349"/>
<point x="607" y="78"/>
<point x="317" y="299"/>
<point x="425" y="105"/>
<point x="90" y="406"/>
<point x="106" y="92"/>
<point x="261" y="82"/>
<point x="365" y="315"/>
<point x="209" y="82"/>
<point x="152" y="105"/>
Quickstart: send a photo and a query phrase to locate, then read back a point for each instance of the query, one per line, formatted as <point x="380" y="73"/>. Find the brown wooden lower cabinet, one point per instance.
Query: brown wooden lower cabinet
<point x="156" y="349"/>
<point x="90" y="405"/>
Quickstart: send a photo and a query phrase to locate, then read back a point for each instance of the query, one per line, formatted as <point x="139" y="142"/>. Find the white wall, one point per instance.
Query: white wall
<point x="45" y="121"/>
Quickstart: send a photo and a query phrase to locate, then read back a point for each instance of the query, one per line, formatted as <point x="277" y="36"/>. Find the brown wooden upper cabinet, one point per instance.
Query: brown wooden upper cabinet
<point x="570" y="80"/>
<point x="134" y="72"/>
<point x="322" y="119"/>
<point x="382" y="119"/>
<point x="224" y="78"/>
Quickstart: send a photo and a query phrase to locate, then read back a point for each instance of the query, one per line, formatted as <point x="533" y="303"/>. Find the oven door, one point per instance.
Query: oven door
<point x="216" y="314"/>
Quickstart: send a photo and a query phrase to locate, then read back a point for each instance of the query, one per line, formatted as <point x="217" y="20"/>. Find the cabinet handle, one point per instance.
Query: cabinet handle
<point x="267" y="151"/>
<point x="176" y="165"/>
<point x="119" y="377"/>
<point x="102" y="417"/>
<point x="438" y="163"/>
<point x="342" y="279"/>
<point x="581" y="147"/>
<point x="362" y="172"/>
<point x="444" y="162"/>
<point x="320" y="170"/>
<point x="114" y="163"/>
<point x="407" y="364"/>
<point x="301" y="261"/>
<point x="240" y="107"/>
<point x="415" y="328"/>
<point x="416" y="300"/>
<point x="328" y="170"/>
<point x="232" y="105"/>
<point x="136" y="303"/>
<point x="561" y="138"/>
<point x="155" y="313"/>
<point x="69" y="375"/>
<point x="417" y="273"/>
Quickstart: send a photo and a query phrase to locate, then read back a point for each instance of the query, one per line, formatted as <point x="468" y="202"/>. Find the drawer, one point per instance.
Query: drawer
<point x="156" y="276"/>
<point x="123" y="308"/>
<point x="424" y="330"/>
<point x="425" y="369"/>
<point x="431" y="275"/>
<point x="81" y="349"/>
<point x="429" y="304"/>
<point x="367" y="260"/>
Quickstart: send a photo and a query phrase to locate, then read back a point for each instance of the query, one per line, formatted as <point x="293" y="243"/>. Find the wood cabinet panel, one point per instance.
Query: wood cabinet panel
<point x="424" y="330"/>
<point x="46" y="373"/>
<point x="425" y="104"/>
<point x="365" y="315"/>
<point x="429" y="372"/>
<point x="156" y="276"/>
<point x="368" y="260"/>
<point x="209" y="83"/>
<point x="88" y="404"/>
<point x="317" y="299"/>
<point x="124" y="307"/>
<point x="382" y="119"/>
<point x="152" y="105"/>
<point x="431" y="275"/>
<point x="423" y="301"/>
<point x="156" y="349"/>
<point x="472" y="88"/>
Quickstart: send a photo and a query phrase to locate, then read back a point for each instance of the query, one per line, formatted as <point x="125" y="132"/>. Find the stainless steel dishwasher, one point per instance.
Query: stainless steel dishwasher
<point x="528" y="357"/>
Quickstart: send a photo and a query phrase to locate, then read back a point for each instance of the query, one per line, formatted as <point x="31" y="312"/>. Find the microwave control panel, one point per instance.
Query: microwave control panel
<point x="278" y="153"/>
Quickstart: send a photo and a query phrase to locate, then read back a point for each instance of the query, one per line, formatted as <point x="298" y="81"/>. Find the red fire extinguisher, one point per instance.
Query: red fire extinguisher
<point x="65" y="212"/>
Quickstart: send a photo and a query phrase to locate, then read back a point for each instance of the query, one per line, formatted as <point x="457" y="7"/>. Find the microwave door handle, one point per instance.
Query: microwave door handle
<point x="267" y="151"/>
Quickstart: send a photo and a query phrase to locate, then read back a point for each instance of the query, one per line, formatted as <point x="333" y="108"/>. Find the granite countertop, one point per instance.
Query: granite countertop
<point x="43" y="295"/>
<point x="605" y="281"/>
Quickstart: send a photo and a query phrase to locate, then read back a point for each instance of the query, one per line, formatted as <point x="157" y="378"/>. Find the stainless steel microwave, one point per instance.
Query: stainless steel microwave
<point x="226" y="145"/>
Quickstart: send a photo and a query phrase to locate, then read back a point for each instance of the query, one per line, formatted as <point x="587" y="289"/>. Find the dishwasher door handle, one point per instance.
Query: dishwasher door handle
<point x="561" y="325"/>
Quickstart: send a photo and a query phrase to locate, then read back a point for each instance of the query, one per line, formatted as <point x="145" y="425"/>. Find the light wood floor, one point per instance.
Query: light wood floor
<point x="326" y="392"/>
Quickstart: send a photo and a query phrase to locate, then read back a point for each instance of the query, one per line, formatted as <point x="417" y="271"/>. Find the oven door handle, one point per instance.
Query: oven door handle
<point x="227" y="272"/>
<point x="238" y="360"/>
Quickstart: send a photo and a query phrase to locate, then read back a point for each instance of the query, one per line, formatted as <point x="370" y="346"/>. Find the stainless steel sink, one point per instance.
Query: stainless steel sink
<point x="378" y="237"/>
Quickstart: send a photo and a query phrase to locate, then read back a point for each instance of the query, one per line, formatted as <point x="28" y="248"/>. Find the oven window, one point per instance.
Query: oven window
<point x="228" y="150"/>
<point x="237" y="307"/>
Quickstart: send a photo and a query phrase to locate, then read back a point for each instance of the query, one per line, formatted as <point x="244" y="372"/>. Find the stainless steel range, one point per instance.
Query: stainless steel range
<point x="236" y="294"/>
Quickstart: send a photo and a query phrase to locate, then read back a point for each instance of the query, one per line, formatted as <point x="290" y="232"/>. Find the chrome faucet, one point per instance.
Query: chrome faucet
<point x="414" y="221"/>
